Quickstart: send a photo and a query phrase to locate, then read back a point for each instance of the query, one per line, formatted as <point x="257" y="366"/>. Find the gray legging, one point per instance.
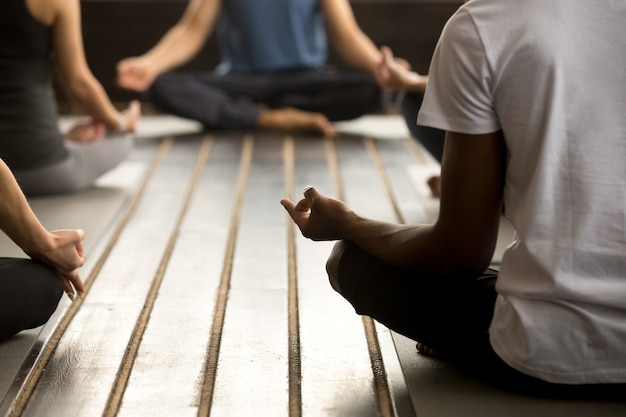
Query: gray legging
<point x="84" y="164"/>
<point x="29" y="294"/>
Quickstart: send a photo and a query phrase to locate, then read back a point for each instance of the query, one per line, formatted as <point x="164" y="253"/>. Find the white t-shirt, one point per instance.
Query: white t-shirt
<point x="551" y="74"/>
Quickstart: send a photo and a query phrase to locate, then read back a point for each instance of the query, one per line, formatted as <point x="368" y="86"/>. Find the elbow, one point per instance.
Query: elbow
<point x="464" y="261"/>
<point x="452" y="255"/>
<point x="464" y="248"/>
<point x="464" y="267"/>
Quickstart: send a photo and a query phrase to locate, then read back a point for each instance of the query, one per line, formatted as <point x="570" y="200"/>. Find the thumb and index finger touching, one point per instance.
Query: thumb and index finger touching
<point x="310" y="193"/>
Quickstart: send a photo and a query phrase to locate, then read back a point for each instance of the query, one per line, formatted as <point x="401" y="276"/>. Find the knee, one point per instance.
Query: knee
<point x="46" y="297"/>
<point x="332" y="265"/>
<point x="29" y="297"/>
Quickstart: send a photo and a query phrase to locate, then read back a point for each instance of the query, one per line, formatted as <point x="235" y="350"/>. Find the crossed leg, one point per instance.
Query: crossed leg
<point x="443" y="317"/>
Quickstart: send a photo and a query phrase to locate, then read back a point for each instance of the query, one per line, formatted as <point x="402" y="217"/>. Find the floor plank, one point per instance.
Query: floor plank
<point x="252" y="366"/>
<point x="337" y="374"/>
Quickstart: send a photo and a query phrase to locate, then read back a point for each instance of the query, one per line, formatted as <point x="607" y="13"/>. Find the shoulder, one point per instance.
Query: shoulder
<point x="48" y="11"/>
<point x="43" y="11"/>
<point x="459" y="93"/>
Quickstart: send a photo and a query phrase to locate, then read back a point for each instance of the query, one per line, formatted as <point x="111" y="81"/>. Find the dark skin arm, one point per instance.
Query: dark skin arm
<point x="463" y="238"/>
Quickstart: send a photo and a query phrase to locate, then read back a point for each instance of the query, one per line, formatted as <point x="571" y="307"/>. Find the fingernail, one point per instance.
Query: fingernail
<point x="70" y="295"/>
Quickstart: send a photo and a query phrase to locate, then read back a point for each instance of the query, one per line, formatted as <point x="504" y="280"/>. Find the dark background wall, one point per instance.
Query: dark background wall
<point x="115" y="29"/>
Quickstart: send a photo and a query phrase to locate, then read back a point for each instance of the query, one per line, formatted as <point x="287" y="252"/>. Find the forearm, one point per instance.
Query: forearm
<point x="410" y="247"/>
<point x="17" y="219"/>
<point x="353" y="46"/>
<point x="176" y="48"/>
<point x="415" y="83"/>
<point x="437" y="249"/>
<point x="185" y="39"/>
<point x="89" y="94"/>
<point x="359" y="52"/>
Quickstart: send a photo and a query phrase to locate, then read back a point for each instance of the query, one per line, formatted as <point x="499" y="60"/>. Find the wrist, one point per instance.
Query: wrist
<point x="348" y="225"/>
<point x="38" y="243"/>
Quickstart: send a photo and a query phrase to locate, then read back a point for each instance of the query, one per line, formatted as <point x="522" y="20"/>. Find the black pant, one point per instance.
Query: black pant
<point x="231" y="101"/>
<point x="29" y="294"/>
<point x="451" y="316"/>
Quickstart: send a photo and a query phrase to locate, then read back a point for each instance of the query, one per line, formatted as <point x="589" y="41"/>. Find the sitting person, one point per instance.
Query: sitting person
<point x="30" y="289"/>
<point x="273" y="72"/>
<point x="36" y="35"/>
<point x="502" y="84"/>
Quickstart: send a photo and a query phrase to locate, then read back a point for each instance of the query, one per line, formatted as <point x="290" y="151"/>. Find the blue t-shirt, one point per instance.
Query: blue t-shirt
<point x="260" y="36"/>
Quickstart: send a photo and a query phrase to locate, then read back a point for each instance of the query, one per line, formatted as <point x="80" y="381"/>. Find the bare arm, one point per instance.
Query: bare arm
<point x="464" y="236"/>
<point x="344" y="33"/>
<point x="75" y="74"/>
<point x="61" y="249"/>
<point x="179" y="45"/>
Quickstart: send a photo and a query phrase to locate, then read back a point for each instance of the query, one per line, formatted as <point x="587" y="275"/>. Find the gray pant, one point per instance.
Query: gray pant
<point x="84" y="164"/>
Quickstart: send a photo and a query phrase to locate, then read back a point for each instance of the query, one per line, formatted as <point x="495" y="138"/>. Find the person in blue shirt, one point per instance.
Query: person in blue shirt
<point x="273" y="72"/>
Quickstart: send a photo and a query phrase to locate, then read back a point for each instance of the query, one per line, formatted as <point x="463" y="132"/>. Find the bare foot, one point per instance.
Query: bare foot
<point x="294" y="119"/>
<point x="425" y="350"/>
<point x="434" y="183"/>
<point x="130" y="117"/>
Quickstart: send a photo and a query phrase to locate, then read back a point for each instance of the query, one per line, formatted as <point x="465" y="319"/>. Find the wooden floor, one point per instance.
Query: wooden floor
<point x="203" y="300"/>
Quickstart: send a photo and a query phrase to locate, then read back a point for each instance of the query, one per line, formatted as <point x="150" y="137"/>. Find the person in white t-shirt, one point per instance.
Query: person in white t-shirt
<point x="505" y="83"/>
